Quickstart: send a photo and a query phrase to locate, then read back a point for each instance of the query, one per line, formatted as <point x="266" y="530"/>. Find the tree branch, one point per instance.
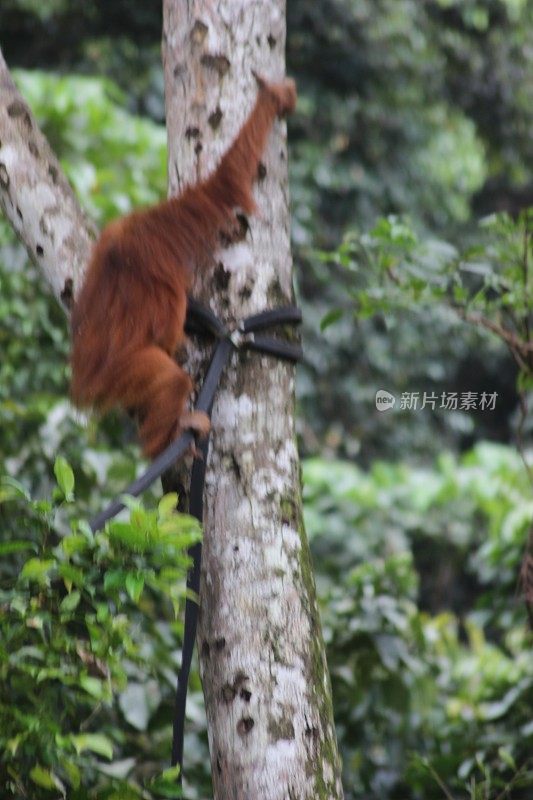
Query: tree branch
<point x="512" y="339"/>
<point x="37" y="197"/>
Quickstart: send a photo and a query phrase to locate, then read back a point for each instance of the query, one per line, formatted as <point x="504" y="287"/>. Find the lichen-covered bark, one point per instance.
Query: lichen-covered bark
<point x="262" y="656"/>
<point x="36" y="197"/>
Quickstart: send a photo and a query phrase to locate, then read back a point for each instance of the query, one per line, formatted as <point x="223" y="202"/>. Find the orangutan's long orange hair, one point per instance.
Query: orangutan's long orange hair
<point x="128" y="319"/>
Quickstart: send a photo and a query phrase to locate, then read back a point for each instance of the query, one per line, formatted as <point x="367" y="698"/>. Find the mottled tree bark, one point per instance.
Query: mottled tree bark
<point x="262" y="657"/>
<point x="37" y="198"/>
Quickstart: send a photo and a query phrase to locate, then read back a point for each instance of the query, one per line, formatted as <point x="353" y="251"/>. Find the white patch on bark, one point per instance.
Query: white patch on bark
<point x="230" y="409"/>
<point x="238" y="257"/>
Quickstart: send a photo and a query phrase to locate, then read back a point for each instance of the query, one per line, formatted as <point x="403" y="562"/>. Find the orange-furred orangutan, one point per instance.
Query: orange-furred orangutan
<point x="128" y="319"/>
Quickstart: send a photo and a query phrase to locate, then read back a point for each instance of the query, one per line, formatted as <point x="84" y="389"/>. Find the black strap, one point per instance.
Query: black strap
<point x="177" y="448"/>
<point x="196" y="508"/>
<point x="201" y="319"/>
<point x="241" y="336"/>
<point x="266" y="319"/>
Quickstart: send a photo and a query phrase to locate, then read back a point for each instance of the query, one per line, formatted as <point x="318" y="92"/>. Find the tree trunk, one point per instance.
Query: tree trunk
<point x="37" y="198"/>
<point x="262" y="658"/>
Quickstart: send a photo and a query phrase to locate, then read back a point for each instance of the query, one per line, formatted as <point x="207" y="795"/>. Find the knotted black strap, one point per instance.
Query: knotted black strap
<point x="201" y="320"/>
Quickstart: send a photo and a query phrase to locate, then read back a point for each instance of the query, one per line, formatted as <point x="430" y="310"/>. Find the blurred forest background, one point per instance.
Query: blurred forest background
<point x="410" y="170"/>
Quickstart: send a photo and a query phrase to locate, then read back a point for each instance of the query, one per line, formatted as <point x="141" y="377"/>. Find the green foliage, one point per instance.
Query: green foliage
<point x="407" y="108"/>
<point x="397" y="507"/>
<point x="428" y="650"/>
<point x="97" y="37"/>
<point x="489" y="285"/>
<point x="432" y="318"/>
<point x="88" y="638"/>
<point x="115" y="161"/>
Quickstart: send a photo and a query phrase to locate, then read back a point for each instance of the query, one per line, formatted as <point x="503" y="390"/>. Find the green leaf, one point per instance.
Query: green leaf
<point x="134" y="704"/>
<point x="70" y="602"/>
<point x="16" y="546"/>
<point x="72" y="574"/>
<point x="95" y="742"/>
<point x="166" y="784"/>
<point x="331" y="317"/>
<point x="135" y="585"/>
<point x="114" y="580"/>
<point x="37" y="569"/>
<point x="74" y="543"/>
<point x="130" y="536"/>
<point x="73" y="773"/>
<point x="43" y="777"/>
<point x="94" y="687"/>
<point x="64" y="477"/>
<point x="167" y="505"/>
<point x="11" y="489"/>
<point x="507" y="758"/>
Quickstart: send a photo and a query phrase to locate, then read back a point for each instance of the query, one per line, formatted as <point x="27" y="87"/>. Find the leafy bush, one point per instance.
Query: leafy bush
<point x="424" y="701"/>
<point x="489" y="284"/>
<point x="89" y="646"/>
<point x="427" y="645"/>
<point x="422" y="315"/>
